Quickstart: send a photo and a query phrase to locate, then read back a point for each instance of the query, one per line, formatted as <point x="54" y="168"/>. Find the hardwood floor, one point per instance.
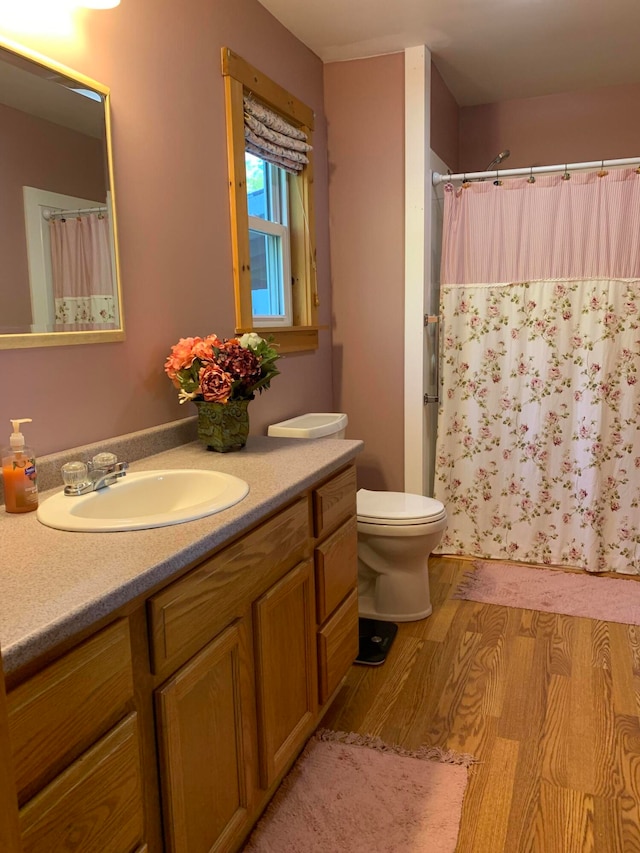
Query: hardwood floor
<point x="548" y="704"/>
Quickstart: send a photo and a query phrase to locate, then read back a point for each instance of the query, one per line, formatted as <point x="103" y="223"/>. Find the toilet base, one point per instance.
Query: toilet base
<point x="367" y="610"/>
<point x="376" y="638"/>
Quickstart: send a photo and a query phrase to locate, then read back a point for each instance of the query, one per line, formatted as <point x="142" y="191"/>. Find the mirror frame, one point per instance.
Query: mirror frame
<point x="52" y="339"/>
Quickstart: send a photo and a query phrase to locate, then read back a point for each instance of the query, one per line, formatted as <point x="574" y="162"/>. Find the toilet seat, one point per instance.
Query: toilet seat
<point x="397" y="508"/>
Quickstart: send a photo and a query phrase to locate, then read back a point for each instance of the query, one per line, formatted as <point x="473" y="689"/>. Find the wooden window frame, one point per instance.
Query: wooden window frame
<point x="240" y="78"/>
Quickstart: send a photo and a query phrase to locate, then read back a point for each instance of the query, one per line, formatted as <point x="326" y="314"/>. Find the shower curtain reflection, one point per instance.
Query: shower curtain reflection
<point x="82" y="272"/>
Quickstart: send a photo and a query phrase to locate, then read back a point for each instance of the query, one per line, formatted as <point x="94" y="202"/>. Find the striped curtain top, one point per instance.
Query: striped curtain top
<point x="587" y="227"/>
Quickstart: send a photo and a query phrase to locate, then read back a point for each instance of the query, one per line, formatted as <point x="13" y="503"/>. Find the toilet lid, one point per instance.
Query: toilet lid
<point x="397" y="508"/>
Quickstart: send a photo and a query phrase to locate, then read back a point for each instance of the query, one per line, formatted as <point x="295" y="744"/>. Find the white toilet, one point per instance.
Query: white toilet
<point x="396" y="534"/>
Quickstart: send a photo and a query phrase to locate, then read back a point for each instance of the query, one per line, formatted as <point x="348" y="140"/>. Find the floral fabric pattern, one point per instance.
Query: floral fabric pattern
<point x="97" y="310"/>
<point x="269" y="136"/>
<point x="538" y="450"/>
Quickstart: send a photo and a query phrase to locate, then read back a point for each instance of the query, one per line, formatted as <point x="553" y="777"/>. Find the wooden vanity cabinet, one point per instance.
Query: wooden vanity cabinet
<point x="9" y="825"/>
<point x="190" y="706"/>
<point x="232" y="717"/>
<point x="287" y="698"/>
<point x="336" y="579"/>
<point x="73" y="730"/>
<point x="205" y="723"/>
<point x="94" y="805"/>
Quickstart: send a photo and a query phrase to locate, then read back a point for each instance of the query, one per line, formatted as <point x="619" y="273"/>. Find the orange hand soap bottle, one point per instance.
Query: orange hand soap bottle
<point x="19" y="472"/>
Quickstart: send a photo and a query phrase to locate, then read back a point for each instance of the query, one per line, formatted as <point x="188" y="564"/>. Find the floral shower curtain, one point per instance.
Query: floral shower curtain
<point x="82" y="273"/>
<point x="538" y="451"/>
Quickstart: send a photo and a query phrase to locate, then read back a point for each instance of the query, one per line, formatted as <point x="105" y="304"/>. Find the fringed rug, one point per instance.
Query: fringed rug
<point x="358" y="794"/>
<point x="553" y="591"/>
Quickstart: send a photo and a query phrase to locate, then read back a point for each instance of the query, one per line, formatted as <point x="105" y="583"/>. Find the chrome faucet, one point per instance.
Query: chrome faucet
<point x="103" y="470"/>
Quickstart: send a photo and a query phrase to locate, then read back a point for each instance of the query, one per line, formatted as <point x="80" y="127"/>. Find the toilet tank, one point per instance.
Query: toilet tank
<point x="312" y="425"/>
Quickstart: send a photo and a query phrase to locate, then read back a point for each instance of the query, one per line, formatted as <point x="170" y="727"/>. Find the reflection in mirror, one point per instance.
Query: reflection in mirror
<point x="58" y="250"/>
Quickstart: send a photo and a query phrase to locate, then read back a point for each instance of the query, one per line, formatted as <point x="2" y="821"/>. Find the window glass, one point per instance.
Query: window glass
<point x="267" y="286"/>
<point x="270" y="259"/>
<point x="256" y="185"/>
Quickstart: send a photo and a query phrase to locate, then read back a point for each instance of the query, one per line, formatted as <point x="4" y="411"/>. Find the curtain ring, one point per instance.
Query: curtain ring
<point x="465" y="182"/>
<point x="567" y="175"/>
<point x="531" y="179"/>
<point x="497" y="182"/>
<point x="603" y="172"/>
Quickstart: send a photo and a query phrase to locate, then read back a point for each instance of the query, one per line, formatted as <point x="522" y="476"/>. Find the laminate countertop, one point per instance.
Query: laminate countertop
<point x="55" y="583"/>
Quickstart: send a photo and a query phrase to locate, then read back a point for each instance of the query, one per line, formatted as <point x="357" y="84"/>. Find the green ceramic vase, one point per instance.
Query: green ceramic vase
<point x="223" y="426"/>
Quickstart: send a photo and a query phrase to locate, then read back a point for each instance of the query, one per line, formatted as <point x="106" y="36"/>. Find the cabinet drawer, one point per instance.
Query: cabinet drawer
<point x="336" y="561"/>
<point x="94" y="806"/>
<point x="337" y="646"/>
<point x="61" y="711"/>
<point x="190" y="612"/>
<point x="334" y="502"/>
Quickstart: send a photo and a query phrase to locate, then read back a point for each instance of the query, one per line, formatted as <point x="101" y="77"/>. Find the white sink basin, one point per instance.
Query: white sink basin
<point x="145" y="499"/>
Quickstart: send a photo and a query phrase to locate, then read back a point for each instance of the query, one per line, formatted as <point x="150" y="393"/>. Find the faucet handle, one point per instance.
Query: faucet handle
<point x="75" y="474"/>
<point x="104" y="461"/>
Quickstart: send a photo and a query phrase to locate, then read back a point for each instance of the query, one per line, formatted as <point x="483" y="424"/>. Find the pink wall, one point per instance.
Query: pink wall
<point x="162" y="62"/>
<point x="364" y="102"/>
<point x="73" y="165"/>
<point x="445" y="121"/>
<point x="570" y="127"/>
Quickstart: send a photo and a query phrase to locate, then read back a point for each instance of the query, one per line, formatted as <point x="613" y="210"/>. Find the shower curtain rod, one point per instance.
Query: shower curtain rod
<point x="533" y="170"/>
<point x="56" y="214"/>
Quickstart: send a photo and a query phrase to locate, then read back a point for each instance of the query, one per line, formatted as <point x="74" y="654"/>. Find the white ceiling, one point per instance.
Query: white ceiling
<point x="486" y="50"/>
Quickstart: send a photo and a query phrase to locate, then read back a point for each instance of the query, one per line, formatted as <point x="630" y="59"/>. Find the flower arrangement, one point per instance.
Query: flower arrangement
<point x="221" y="370"/>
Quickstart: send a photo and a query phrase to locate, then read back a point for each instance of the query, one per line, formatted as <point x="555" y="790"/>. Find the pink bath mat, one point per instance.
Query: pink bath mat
<point x="553" y="591"/>
<point x="357" y="794"/>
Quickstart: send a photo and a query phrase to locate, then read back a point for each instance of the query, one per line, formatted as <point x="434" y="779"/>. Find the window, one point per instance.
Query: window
<point x="272" y="220"/>
<point x="269" y="249"/>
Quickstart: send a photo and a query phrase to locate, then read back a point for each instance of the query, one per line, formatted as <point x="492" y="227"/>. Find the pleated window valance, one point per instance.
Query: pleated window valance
<point x="270" y="137"/>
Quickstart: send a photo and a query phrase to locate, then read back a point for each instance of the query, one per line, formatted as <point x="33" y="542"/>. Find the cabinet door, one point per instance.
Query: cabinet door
<point x="286" y="669"/>
<point x="57" y="714"/>
<point x="94" y="806"/>
<point x="204" y="725"/>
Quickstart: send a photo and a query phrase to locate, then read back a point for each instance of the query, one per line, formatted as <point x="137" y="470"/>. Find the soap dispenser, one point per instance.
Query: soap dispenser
<point x="19" y="472"/>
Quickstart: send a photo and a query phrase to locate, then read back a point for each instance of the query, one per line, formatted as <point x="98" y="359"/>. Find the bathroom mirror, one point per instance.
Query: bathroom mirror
<point x="59" y="270"/>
